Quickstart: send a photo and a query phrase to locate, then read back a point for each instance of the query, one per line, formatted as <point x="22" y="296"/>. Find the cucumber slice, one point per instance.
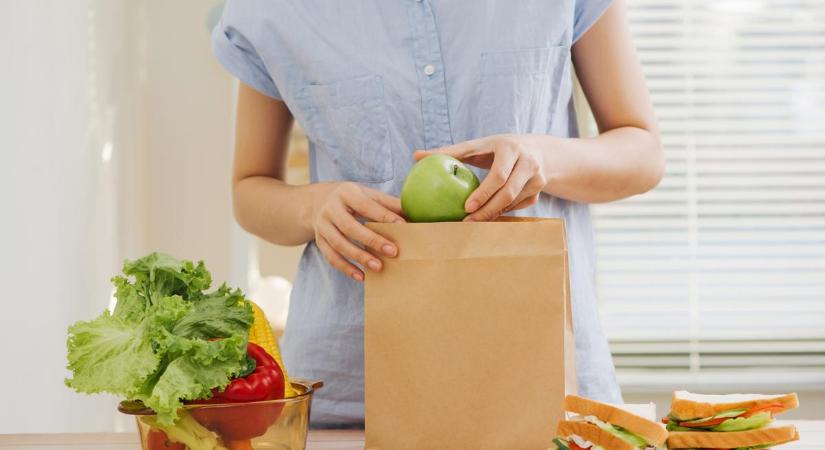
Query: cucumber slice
<point x="729" y="413"/>
<point x="721" y="415"/>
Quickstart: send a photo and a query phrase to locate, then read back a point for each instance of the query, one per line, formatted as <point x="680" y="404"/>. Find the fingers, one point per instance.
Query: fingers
<point x="458" y="151"/>
<point x="387" y="201"/>
<point x="499" y="173"/>
<point x="346" y="248"/>
<point x="338" y="261"/>
<point x="505" y="196"/>
<point x="354" y="230"/>
<point x="337" y="231"/>
<point x="374" y="205"/>
<point x="529" y="195"/>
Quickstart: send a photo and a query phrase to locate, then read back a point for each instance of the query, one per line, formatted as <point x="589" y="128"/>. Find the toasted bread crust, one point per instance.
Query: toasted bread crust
<point x="691" y="409"/>
<point x="653" y="432"/>
<point x="593" y="434"/>
<point x="732" y="439"/>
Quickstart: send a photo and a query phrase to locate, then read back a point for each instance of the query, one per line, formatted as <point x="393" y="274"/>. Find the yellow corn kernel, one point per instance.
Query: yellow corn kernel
<point x="261" y="333"/>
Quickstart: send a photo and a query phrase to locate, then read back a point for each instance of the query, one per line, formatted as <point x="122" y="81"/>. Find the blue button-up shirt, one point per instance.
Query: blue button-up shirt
<point x="372" y="81"/>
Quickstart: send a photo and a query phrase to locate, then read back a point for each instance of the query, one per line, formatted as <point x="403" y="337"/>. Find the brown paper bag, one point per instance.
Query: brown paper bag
<point x="468" y="336"/>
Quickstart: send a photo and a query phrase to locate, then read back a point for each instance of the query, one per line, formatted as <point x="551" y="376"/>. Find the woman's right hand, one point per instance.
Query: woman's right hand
<point x="342" y="238"/>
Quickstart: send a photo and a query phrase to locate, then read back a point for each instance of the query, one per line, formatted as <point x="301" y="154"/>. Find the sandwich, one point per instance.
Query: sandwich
<point x="600" y="426"/>
<point x="736" y="412"/>
<point x="737" y="421"/>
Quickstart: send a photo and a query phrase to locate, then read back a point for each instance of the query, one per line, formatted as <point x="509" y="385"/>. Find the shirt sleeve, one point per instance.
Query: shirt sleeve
<point x="240" y="58"/>
<point x="587" y="13"/>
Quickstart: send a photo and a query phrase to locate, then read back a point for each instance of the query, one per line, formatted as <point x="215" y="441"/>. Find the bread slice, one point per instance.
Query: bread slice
<point x="687" y="405"/>
<point x="732" y="439"/>
<point x="653" y="432"/>
<point x="593" y="434"/>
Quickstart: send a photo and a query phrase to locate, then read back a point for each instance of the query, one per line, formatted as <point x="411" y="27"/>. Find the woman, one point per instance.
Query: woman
<point x="488" y="82"/>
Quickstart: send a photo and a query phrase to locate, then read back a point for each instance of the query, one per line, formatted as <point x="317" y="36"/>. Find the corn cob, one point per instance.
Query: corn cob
<point x="261" y="333"/>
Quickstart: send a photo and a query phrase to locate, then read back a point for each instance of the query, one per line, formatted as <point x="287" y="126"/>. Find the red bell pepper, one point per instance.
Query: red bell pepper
<point x="266" y="382"/>
<point x="240" y="422"/>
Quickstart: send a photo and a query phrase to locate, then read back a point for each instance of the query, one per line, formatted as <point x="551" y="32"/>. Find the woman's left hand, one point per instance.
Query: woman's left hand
<point x="515" y="178"/>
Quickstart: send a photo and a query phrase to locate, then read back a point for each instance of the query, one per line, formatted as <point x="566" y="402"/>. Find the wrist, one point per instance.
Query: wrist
<point x="548" y="151"/>
<point x="313" y="201"/>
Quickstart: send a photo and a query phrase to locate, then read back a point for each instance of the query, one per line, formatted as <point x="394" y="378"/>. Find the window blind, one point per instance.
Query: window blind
<point x="721" y="268"/>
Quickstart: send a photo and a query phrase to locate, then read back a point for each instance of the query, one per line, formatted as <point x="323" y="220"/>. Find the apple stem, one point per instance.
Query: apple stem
<point x="455" y="170"/>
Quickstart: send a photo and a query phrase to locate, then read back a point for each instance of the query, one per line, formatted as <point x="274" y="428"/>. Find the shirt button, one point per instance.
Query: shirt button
<point x="429" y="69"/>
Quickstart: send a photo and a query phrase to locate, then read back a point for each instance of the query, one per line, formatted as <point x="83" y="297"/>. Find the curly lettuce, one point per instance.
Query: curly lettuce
<point x="166" y="341"/>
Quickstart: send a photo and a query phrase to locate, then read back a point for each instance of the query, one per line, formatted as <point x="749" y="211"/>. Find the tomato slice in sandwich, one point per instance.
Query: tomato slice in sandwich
<point x="771" y="407"/>
<point x="573" y="446"/>
<point x="704" y="424"/>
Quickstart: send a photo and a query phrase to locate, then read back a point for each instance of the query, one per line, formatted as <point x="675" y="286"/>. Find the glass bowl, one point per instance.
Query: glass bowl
<point x="272" y="424"/>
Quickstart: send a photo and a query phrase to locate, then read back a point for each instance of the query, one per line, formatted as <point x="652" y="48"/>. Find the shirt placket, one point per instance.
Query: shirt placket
<point x="432" y="84"/>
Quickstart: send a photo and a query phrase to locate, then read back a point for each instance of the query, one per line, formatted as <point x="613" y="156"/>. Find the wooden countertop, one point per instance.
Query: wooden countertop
<point x="812" y="437"/>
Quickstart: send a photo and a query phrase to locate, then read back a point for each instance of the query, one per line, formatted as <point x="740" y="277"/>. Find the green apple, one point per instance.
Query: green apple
<point x="436" y="188"/>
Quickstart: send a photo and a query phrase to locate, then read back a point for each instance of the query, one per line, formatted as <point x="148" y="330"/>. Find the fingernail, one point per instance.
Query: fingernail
<point x="468" y="219"/>
<point x="374" y="265"/>
<point x="357" y="276"/>
<point x="388" y="250"/>
<point x="398" y="221"/>
<point x="472" y="206"/>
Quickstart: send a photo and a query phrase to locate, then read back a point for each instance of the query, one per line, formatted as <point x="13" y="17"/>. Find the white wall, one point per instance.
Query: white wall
<point x="115" y="137"/>
<point x="188" y="102"/>
<point x="58" y="230"/>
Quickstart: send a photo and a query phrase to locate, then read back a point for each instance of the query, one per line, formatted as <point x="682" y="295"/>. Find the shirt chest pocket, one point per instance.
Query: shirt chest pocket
<point x="347" y="120"/>
<point x="519" y="89"/>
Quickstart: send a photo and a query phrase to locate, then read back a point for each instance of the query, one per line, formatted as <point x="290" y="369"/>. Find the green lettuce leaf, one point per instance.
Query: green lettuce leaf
<point x="159" y="275"/>
<point x="166" y="341"/>
<point x="671" y="426"/>
<point x="222" y="313"/>
<point x="619" y="432"/>
<point x="110" y="355"/>
<point x="131" y="305"/>
<point x="745" y="423"/>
